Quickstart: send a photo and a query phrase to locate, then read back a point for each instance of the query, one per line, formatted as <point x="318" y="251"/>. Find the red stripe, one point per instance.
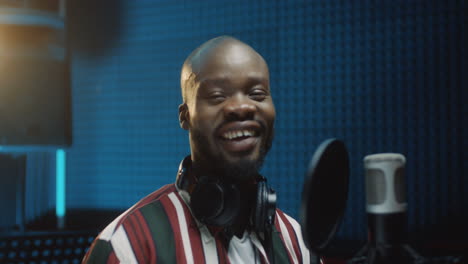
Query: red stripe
<point x="222" y="254"/>
<point x="146" y="200"/>
<point x="134" y="239"/>
<point x="142" y="243"/>
<point x="194" y="234"/>
<point x="144" y="228"/>
<point x="156" y="194"/>
<point x="172" y="215"/>
<point x="112" y="259"/>
<point x="292" y="235"/>
<point x="282" y="238"/>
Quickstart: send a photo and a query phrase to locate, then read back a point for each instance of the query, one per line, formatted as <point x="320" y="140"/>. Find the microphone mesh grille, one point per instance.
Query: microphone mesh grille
<point x="375" y="186"/>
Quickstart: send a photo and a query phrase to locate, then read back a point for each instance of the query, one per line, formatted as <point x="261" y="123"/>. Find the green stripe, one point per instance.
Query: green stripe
<point x="100" y="252"/>
<point x="280" y="251"/>
<point x="161" y="231"/>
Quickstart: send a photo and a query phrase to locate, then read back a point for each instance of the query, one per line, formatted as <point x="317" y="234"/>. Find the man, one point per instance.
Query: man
<point x="220" y="209"/>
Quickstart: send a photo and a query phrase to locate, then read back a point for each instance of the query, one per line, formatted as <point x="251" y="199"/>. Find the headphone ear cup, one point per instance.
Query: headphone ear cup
<point x="231" y="207"/>
<point x="265" y="207"/>
<point x="206" y="200"/>
<point x="215" y="204"/>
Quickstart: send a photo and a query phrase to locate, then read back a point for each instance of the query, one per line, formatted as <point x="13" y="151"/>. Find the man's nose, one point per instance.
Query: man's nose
<point x="239" y="107"/>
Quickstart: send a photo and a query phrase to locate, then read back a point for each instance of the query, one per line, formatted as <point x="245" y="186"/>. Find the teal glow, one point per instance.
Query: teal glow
<point x="60" y="183"/>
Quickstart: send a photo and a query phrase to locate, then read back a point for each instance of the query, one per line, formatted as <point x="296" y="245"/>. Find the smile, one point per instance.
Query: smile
<point x="241" y="136"/>
<point x="237" y="134"/>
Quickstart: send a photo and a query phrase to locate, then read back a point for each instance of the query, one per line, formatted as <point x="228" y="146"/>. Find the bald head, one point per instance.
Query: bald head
<point x="220" y="51"/>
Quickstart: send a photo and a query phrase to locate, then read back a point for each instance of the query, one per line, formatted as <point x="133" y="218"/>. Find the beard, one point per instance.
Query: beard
<point x="217" y="165"/>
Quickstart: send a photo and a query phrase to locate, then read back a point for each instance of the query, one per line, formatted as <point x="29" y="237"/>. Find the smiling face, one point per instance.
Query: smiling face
<point x="228" y="109"/>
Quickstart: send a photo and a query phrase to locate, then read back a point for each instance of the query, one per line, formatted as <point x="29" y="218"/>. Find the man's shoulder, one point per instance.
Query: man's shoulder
<point x="291" y="235"/>
<point x="154" y="197"/>
<point x="285" y="222"/>
<point x="148" y="209"/>
<point x="134" y="236"/>
<point x="283" y="215"/>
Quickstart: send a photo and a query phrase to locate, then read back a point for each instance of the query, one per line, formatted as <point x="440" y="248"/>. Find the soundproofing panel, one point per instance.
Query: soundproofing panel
<point x="27" y="188"/>
<point x="12" y="177"/>
<point x="384" y="76"/>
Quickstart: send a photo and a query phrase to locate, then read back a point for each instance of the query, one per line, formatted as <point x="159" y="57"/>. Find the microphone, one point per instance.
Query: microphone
<point x="386" y="204"/>
<point x="386" y="208"/>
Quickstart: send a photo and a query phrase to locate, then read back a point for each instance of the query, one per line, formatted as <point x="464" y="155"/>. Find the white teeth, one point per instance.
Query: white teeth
<point x="237" y="134"/>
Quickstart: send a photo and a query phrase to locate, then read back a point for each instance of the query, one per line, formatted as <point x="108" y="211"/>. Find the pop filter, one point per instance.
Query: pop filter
<point x="324" y="195"/>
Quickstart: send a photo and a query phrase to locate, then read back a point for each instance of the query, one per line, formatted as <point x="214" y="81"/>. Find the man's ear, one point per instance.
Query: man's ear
<point x="184" y="116"/>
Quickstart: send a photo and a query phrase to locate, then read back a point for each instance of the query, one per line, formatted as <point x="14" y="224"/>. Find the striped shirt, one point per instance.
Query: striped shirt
<point x="161" y="229"/>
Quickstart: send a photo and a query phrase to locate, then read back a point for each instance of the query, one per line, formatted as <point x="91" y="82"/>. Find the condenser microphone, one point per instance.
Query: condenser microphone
<point x="386" y="209"/>
<point x="386" y="201"/>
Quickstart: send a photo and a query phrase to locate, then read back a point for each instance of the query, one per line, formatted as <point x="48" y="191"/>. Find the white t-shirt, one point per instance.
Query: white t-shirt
<point x="242" y="250"/>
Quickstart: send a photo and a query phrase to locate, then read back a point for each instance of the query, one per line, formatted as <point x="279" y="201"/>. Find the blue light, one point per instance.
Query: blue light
<point x="60" y="183"/>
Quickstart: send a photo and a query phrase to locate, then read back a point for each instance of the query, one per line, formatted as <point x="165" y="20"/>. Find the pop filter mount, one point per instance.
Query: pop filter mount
<point x="324" y="195"/>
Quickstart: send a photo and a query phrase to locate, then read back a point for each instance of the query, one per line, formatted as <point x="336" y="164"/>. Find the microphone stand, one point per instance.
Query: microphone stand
<point x="371" y="254"/>
<point x="385" y="254"/>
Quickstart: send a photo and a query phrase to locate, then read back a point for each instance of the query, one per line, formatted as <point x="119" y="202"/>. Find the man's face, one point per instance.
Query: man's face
<point x="232" y="114"/>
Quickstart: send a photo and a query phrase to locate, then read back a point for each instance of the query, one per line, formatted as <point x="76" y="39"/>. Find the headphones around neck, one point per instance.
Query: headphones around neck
<point x="217" y="203"/>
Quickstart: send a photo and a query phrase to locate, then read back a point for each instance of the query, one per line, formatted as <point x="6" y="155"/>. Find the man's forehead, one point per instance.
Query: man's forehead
<point x="222" y="59"/>
<point x="228" y="54"/>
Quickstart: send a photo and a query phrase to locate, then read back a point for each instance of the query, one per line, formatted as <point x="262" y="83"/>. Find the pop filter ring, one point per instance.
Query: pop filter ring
<point x="327" y="175"/>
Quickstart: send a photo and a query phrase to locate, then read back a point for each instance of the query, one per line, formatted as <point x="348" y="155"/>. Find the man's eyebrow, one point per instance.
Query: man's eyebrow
<point x="215" y="81"/>
<point x="255" y="80"/>
<point x="224" y="80"/>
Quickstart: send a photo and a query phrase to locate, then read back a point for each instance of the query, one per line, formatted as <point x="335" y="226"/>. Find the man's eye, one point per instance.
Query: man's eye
<point x="258" y="95"/>
<point x="216" y="97"/>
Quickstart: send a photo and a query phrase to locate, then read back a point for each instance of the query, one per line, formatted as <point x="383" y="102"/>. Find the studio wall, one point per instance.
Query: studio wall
<point x="384" y="76"/>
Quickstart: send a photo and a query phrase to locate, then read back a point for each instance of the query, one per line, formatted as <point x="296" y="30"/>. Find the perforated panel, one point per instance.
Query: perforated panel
<point x="384" y="76"/>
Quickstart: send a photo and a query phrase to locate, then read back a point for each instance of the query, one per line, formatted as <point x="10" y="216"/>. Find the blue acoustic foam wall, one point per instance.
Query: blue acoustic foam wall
<point x="384" y="76"/>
